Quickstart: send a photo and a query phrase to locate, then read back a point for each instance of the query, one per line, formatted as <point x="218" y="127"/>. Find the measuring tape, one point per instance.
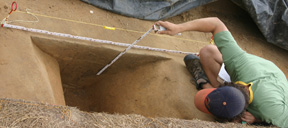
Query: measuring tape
<point x="122" y="53"/>
<point x="91" y="39"/>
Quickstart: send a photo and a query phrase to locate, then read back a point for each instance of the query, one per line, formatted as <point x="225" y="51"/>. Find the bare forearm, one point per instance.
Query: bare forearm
<point x="212" y="24"/>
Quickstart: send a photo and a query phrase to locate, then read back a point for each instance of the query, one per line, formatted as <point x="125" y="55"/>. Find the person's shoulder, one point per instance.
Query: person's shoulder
<point x="223" y="36"/>
<point x="222" y="32"/>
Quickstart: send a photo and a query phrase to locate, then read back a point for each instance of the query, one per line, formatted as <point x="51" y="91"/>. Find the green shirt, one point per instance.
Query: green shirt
<point x="270" y="86"/>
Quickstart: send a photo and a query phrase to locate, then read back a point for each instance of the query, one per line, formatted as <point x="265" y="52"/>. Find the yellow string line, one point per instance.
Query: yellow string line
<point x="103" y="26"/>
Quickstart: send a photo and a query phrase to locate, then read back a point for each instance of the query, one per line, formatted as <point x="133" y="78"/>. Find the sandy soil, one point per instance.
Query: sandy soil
<point x="154" y="84"/>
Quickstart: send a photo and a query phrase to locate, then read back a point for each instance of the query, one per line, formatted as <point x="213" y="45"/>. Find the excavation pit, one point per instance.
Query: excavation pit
<point x="140" y="82"/>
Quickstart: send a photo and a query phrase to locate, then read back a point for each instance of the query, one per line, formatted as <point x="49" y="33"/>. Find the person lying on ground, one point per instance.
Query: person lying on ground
<point x="263" y="99"/>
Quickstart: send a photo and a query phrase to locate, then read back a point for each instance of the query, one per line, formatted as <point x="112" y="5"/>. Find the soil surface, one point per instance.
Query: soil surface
<point x="62" y="71"/>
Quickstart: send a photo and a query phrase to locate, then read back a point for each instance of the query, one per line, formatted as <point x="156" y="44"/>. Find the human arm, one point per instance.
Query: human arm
<point x="211" y="24"/>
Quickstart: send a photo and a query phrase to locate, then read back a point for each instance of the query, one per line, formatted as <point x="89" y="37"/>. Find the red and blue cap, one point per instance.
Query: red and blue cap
<point x="224" y="102"/>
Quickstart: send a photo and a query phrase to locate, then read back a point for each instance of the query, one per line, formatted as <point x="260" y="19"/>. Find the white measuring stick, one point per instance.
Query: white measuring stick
<point x="122" y="53"/>
<point x="91" y="39"/>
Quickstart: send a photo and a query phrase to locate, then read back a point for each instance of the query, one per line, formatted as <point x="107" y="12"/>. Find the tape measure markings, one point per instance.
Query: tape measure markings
<point x="91" y="39"/>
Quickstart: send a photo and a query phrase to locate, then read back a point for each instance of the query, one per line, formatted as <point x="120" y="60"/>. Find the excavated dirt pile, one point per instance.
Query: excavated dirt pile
<point x="19" y="113"/>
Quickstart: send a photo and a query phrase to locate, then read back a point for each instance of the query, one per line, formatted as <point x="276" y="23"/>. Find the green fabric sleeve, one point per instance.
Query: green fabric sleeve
<point x="227" y="45"/>
<point x="232" y="54"/>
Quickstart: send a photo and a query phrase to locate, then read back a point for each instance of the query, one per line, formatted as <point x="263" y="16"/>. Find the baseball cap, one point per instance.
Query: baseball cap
<point x="223" y="102"/>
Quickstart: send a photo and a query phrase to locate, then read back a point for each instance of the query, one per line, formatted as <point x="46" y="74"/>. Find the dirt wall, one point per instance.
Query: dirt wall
<point x="26" y="72"/>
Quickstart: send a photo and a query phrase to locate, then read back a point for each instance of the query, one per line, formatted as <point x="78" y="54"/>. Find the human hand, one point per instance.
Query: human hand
<point x="249" y="118"/>
<point x="171" y="29"/>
